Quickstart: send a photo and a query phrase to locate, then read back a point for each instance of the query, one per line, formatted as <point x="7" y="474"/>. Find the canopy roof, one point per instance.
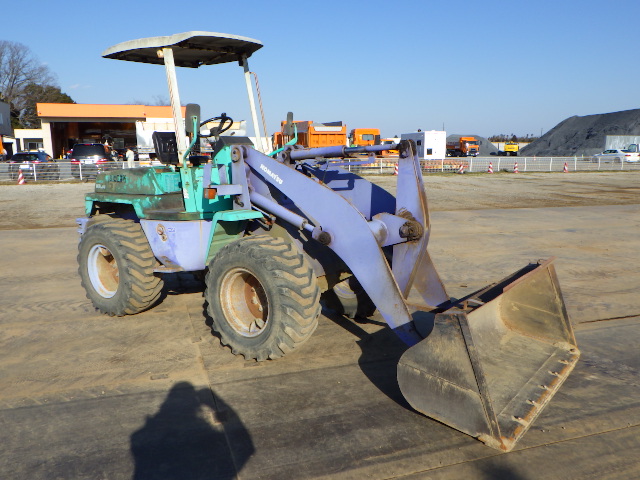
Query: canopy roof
<point x="190" y="49"/>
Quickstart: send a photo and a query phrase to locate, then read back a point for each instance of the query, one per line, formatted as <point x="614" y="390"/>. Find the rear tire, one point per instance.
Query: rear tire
<point x="262" y="296"/>
<point x="348" y="298"/>
<point x="116" y="267"/>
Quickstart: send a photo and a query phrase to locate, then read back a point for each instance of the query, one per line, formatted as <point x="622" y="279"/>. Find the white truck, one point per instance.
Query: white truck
<point x="618" y="148"/>
<point x="622" y="142"/>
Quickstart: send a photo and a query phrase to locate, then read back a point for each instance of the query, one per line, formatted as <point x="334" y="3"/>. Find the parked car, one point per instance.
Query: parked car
<point x="616" y="155"/>
<point x="35" y="165"/>
<point x="89" y="159"/>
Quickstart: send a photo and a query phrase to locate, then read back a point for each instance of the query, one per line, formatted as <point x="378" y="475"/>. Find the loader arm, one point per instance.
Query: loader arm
<point x="412" y="265"/>
<point x="337" y="222"/>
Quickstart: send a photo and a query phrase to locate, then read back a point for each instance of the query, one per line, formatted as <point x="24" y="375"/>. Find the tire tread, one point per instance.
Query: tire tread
<point x="295" y="284"/>
<point x="145" y="287"/>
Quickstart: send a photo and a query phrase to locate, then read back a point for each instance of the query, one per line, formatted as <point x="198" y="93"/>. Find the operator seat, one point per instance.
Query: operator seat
<point x="166" y="147"/>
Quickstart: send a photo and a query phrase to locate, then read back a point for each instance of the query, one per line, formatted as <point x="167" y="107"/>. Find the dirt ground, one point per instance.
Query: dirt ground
<point x="57" y="205"/>
<point x="155" y="395"/>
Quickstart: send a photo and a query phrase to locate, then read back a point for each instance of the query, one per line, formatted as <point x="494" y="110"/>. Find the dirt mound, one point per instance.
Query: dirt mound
<point x="584" y="135"/>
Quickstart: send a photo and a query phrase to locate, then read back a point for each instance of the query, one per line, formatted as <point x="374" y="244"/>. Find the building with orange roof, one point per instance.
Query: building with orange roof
<point x="65" y="124"/>
<point x="121" y="126"/>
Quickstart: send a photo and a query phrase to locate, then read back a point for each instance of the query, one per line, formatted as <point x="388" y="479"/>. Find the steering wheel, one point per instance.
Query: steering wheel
<point x="223" y="126"/>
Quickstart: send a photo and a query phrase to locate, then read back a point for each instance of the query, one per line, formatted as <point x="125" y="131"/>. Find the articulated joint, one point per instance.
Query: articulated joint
<point x="323" y="237"/>
<point x="411" y="230"/>
<point x="389" y="229"/>
<point x="237" y="153"/>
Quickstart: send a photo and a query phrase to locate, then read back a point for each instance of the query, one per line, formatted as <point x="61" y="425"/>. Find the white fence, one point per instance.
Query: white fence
<point x="56" y="171"/>
<point x="498" y="164"/>
<point x="548" y="164"/>
<point x="63" y="171"/>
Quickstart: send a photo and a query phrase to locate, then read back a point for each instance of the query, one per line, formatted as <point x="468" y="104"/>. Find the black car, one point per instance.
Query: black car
<point x="89" y="159"/>
<point x="34" y="165"/>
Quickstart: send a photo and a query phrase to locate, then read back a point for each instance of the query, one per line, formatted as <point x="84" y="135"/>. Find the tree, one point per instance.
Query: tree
<point x="20" y="73"/>
<point x="512" y="138"/>
<point x="158" y="101"/>
<point x="33" y="94"/>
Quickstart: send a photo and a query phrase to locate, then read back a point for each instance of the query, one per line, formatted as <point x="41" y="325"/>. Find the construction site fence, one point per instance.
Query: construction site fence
<point x="495" y="164"/>
<point x="59" y="170"/>
<point x="64" y="171"/>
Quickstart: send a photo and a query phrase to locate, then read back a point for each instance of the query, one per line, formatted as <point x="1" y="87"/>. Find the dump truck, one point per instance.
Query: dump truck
<point x="361" y="137"/>
<point x="272" y="232"/>
<point x="313" y="134"/>
<point x="463" y="147"/>
<point x="391" y="144"/>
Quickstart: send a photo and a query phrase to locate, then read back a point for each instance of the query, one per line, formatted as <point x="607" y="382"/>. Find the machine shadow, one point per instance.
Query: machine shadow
<point x="499" y="472"/>
<point x="194" y="435"/>
<point x="179" y="283"/>
<point x="380" y="353"/>
<point x="182" y="282"/>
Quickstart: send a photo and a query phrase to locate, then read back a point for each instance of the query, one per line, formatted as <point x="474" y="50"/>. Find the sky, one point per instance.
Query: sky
<point x="466" y="66"/>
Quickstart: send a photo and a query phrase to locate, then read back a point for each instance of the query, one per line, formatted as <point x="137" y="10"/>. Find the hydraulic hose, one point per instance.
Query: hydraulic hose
<point x="196" y="131"/>
<point x="293" y="141"/>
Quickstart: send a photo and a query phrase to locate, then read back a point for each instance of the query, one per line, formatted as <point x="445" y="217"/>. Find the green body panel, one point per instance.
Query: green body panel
<point x="139" y="181"/>
<point x="227" y="227"/>
<point x="163" y="192"/>
<point x="167" y="207"/>
<point x="147" y="189"/>
<point x="193" y="191"/>
<point x="173" y="194"/>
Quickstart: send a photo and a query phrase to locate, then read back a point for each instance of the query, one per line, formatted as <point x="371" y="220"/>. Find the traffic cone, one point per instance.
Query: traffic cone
<point x="461" y="169"/>
<point x="490" y="168"/>
<point x="566" y="168"/>
<point x="515" y="168"/>
<point x="21" y="180"/>
<point x="395" y="169"/>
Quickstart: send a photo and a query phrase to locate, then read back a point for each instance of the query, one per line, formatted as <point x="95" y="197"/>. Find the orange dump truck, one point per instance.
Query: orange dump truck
<point x="463" y="147"/>
<point x="314" y="134"/>
<point x="362" y="137"/>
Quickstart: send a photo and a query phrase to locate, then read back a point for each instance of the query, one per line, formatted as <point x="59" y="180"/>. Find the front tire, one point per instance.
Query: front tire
<point x="116" y="267"/>
<point x="262" y="296"/>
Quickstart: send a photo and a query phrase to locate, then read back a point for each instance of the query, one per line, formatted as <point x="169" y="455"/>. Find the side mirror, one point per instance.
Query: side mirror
<point x="192" y="117"/>
<point x="288" y="127"/>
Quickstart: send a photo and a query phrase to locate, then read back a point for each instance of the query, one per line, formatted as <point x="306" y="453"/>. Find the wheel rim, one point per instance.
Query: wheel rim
<point x="103" y="271"/>
<point x="244" y="303"/>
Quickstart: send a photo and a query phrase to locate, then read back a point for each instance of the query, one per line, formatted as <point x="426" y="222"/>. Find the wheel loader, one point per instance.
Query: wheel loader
<point x="271" y="231"/>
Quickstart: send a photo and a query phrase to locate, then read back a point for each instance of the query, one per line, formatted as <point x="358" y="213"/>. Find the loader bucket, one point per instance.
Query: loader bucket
<point x="494" y="361"/>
